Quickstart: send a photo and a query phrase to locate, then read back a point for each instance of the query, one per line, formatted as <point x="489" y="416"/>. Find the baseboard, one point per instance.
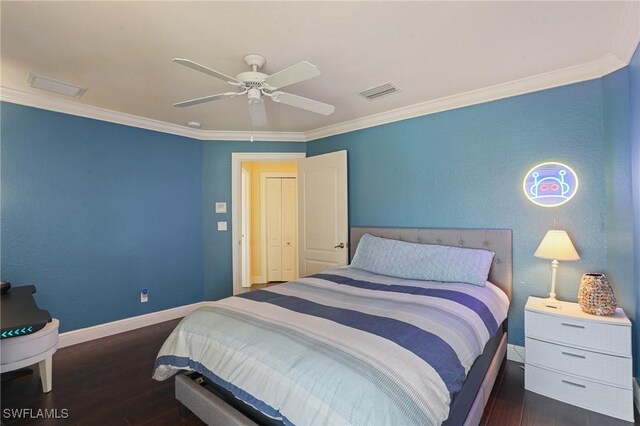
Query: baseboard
<point x="258" y="279"/>
<point x="81" y="335"/>
<point x="636" y="394"/>
<point x="515" y="353"/>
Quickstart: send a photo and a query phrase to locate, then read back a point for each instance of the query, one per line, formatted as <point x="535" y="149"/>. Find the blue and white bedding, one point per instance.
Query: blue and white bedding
<point x="342" y="347"/>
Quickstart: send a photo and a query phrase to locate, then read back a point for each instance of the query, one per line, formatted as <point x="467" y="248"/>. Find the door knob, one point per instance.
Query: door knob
<point x="341" y="245"/>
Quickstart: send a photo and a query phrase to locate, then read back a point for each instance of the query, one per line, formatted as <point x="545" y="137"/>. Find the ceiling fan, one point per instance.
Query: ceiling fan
<point x="257" y="86"/>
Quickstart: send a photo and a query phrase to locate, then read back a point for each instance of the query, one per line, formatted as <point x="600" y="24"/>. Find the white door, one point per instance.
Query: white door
<point x="274" y="229"/>
<point x="322" y="212"/>
<point x="281" y="213"/>
<point x="289" y="229"/>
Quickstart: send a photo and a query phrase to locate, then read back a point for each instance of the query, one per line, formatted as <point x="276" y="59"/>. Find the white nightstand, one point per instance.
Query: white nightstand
<point x="578" y="358"/>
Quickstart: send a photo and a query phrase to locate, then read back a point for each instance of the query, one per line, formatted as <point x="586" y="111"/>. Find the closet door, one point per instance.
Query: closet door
<point x="289" y="229"/>
<point x="274" y="229"/>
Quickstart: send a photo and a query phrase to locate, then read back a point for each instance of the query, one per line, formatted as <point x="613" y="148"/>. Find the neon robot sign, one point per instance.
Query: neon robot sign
<point x="550" y="184"/>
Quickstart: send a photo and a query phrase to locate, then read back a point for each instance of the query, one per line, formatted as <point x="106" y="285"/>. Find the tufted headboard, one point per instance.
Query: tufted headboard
<point x="496" y="240"/>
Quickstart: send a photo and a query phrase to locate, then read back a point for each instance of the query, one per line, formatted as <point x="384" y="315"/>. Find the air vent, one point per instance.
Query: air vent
<point x="55" y="86"/>
<point x="379" y="91"/>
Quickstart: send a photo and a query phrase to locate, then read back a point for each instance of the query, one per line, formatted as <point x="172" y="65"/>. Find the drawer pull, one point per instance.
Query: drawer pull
<point x="574" y="355"/>
<point x="578" y="385"/>
<point x="572" y="325"/>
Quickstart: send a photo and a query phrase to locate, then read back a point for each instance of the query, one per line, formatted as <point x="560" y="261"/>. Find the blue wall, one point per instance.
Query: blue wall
<point x="216" y="172"/>
<point x="621" y="118"/>
<point x="464" y="168"/>
<point x="619" y="223"/>
<point x="92" y="212"/>
<point x="634" y="117"/>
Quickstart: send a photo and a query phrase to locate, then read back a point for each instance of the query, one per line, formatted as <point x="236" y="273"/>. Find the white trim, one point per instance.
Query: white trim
<point x="66" y="106"/>
<point x="636" y="394"/>
<point x="623" y="47"/>
<point x="246" y="224"/>
<point x="515" y="353"/>
<point x="562" y="77"/>
<point x="236" y="198"/>
<point x="263" y="218"/>
<point x="82" y="335"/>
<point x="627" y="36"/>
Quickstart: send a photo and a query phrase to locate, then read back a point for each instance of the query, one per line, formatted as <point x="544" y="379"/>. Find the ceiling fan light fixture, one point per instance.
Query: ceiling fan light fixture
<point x="254" y="95"/>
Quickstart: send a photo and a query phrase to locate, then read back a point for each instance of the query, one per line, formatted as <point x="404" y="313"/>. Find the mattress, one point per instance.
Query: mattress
<point x="342" y="347"/>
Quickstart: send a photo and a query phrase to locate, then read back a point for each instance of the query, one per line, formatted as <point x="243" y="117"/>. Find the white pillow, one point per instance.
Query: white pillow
<point x="425" y="262"/>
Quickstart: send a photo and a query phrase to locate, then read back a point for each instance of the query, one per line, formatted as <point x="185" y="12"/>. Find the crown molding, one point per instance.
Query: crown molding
<point x="221" y="135"/>
<point x="625" y="43"/>
<point x="562" y="77"/>
<point x="88" y="111"/>
<point x="627" y="36"/>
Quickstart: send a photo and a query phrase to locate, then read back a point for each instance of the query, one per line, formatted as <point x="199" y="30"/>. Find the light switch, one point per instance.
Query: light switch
<point x="222" y="226"/>
<point x="221" y="207"/>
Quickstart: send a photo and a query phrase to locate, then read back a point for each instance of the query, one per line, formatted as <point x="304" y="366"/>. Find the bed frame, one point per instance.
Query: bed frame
<point x="213" y="410"/>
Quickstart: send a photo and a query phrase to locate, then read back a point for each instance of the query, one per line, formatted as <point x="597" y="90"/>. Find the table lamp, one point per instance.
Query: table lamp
<point x="556" y="245"/>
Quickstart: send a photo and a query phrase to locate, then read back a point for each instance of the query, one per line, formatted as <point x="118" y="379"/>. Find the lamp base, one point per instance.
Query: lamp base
<point x="553" y="303"/>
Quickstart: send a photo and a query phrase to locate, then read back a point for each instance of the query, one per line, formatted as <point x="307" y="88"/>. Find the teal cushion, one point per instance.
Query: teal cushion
<point x="425" y="262"/>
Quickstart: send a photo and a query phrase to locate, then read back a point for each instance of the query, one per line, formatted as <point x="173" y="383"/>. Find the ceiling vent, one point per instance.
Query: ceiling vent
<point x="55" y="86"/>
<point x="379" y="91"/>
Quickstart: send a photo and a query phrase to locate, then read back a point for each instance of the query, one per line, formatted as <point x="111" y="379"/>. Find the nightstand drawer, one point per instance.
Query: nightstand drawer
<point x="590" y="365"/>
<point x="593" y="335"/>
<point x="609" y="400"/>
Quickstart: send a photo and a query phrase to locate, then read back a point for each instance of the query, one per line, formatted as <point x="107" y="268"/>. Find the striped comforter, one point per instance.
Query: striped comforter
<point x="342" y="347"/>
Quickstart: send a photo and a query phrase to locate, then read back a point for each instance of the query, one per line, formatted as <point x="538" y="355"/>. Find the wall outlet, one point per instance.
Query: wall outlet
<point x="144" y="296"/>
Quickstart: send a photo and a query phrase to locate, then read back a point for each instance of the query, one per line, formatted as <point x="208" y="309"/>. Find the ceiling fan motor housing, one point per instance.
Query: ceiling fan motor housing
<point x="251" y="78"/>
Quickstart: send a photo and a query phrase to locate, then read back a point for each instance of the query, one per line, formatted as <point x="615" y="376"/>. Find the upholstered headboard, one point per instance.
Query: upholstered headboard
<point x="496" y="240"/>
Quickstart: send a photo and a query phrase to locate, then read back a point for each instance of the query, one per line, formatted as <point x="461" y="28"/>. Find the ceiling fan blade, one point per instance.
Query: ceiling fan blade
<point x="299" y="72"/>
<point x="205" y="99"/>
<point x="196" y="66"/>
<point x="258" y="112"/>
<point x="304" y="103"/>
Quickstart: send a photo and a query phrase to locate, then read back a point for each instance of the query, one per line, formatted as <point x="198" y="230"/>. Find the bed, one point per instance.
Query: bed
<point x="349" y="346"/>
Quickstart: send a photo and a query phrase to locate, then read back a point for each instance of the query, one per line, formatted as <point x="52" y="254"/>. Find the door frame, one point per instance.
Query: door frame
<point x="246" y="228"/>
<point x="236" y="203"/>
<point x="263" y="217"/>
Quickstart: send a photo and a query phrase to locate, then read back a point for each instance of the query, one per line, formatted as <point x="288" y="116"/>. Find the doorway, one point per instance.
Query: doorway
<point x="322" y="211"/>
<point x="272" y="221"/>
<point x="267" y="246"/>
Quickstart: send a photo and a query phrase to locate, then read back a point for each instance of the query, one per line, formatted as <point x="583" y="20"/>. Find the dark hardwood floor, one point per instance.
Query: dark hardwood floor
<point x="108" y="382"/>
<point x="103" y="382"/>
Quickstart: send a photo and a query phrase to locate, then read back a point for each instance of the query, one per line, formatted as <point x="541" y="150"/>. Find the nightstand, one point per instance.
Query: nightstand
<point x="578" y="358"/>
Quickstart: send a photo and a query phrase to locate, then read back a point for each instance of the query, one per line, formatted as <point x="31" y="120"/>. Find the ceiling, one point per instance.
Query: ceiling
<point x="434" y="52"/>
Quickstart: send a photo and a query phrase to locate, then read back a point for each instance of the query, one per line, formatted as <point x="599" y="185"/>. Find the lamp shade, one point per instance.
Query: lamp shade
<point x="556" y="245"/>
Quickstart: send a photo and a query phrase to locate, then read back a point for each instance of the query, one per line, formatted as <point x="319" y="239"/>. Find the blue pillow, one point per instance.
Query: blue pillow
<point x="425" y="262"/>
